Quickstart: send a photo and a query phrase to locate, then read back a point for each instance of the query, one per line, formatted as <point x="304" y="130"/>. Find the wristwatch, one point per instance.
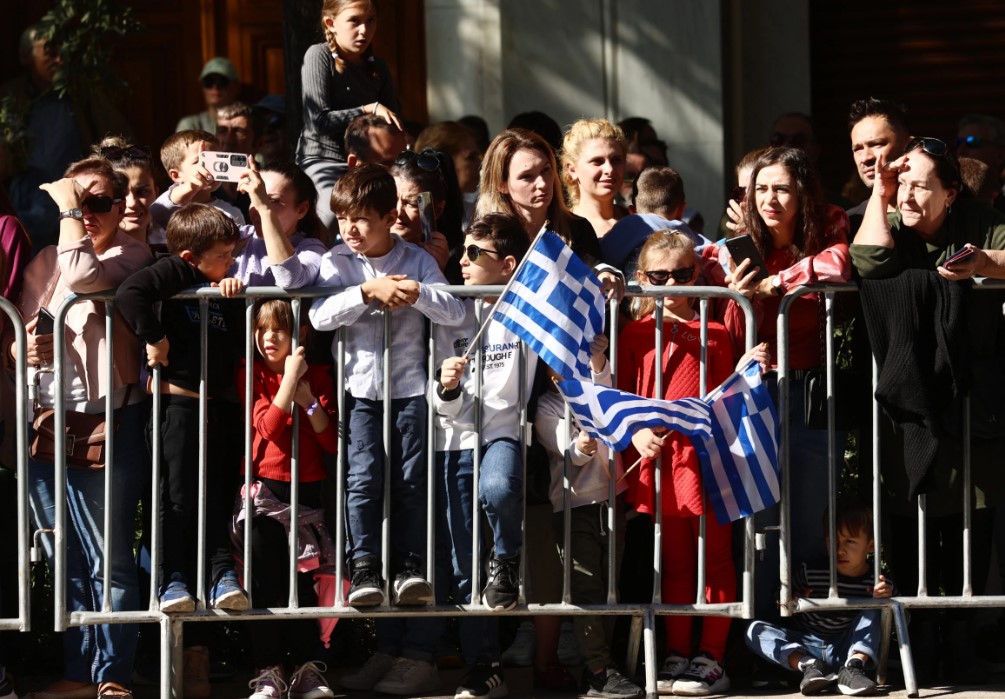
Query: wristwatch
<point x="72" y="213"/>
<point x="776" y="285"/>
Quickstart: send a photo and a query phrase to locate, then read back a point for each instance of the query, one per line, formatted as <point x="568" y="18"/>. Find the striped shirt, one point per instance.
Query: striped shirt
<point x="813" y="582"/>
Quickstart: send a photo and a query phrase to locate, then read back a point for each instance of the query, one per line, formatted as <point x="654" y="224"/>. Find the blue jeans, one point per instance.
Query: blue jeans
<point x="101" y="653"/>
<point x="776" y="644"/>
<point x="500" y="491"/>
<point x="455" y="513"/>
<point x="407" y="470"/>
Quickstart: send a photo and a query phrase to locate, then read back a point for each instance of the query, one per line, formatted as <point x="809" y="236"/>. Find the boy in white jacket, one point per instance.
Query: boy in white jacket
<point x="589" y="500"/>
<point x="494" y="246"/>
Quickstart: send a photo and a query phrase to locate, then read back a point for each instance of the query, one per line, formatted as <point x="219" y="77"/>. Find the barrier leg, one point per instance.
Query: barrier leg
<point x="886" y="624"/>
<point x="634" y="636"/>
<point x="650" y="653"/>
<point x="906" y="659"/>
<point x="172" y="654"/>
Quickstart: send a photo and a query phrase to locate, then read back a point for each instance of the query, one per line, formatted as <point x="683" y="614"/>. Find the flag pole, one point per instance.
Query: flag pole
<point x="509" y="283"/>
<point x="575" y="419"/>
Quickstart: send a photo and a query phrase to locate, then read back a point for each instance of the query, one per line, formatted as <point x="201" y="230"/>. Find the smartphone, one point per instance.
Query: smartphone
<point x="960" y="256"/>
<point x="46" y="322"/>
<point x="426" y="216"/>
<point x="225" y="167"/>
<point x="742" y="248"/>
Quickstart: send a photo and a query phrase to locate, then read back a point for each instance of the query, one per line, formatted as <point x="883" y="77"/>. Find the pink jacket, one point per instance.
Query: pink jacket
<point x="83" y="271"/>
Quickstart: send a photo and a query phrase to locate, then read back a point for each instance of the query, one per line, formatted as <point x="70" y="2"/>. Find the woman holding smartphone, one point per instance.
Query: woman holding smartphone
<point x="94" y="254"/>
<point x="800" y="240"/>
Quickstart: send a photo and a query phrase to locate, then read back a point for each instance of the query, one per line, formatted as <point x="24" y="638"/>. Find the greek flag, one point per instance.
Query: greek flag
<point x="555" y="306"/>
<point x="739" y="462"/>
<point x="613" y="416"/>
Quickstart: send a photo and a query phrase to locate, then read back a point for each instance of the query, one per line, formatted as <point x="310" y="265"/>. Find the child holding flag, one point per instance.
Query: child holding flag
<point x="669" y="257"/>
<point x="591" y="538"/>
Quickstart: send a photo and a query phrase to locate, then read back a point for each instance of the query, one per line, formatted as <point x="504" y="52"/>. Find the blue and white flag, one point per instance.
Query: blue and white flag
<point x="554" y="304"/>
<point x="613" y="416"/>
<point x="739" y="462"/>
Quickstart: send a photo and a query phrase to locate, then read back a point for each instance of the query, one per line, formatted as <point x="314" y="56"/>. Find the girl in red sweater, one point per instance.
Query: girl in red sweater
<point x="668" y="258"/>
<point x="282" y="382"/>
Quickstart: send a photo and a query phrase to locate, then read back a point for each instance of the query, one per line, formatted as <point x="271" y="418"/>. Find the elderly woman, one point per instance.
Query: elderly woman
<point x="93" y="254"/>
<point x="905" y="258"/>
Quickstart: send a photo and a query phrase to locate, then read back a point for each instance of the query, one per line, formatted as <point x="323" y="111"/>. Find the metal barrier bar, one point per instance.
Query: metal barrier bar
<point x="22" y="622"/>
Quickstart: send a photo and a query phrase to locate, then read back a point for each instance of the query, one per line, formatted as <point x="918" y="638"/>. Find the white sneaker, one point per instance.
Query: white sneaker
<point x="521" y="651"/>
<point x="673" y="667"/>
<point x="269" y="684"/>
<point x="308" y="682"/>
<point x="568" y="646"/>
<point x="408" y="676"/>
<point x="704" y="676"/>
<point x="363" y="679"/>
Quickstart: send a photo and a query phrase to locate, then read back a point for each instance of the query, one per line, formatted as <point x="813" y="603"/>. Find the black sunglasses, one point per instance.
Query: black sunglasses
<point x="935" y="147"/>
<point x="114" y="153"/>
<point x="474" y="252"/>
<point x="99" y="204"/>
<point x="659" y="277"/>
<point x="426" y="160"/>
<point x="215" y="80"/>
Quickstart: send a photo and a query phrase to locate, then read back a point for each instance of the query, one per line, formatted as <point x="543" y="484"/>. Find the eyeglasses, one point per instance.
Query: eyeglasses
<point x="474" y="252"/>
<point x="659" y="277"/>
<point x="216" y="80"/>
<point x="115" y="154"/>
<point x="99" y="204"/>
<point x="426" y="160"/>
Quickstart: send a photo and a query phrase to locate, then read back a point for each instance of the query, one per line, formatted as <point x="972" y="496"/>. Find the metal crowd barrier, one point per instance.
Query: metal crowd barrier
<point x="643" y="615"/>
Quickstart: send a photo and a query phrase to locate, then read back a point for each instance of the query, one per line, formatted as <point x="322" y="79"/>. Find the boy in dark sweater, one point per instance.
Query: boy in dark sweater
<point x="819" y="641"/>
<point x="201" y="240"/>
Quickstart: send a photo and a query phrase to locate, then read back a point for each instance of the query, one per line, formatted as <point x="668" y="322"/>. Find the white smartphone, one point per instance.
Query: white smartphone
<point x="225" y="167"/>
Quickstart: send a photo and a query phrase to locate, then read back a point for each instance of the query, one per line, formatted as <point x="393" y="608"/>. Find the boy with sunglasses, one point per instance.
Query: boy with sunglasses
<point x="493" y="248"/>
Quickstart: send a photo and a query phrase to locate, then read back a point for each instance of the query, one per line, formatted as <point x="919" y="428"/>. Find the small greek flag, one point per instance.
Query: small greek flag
<point x="739" y="462"/>
<point x="554" y="304"/>
<point x="613" y="416"/>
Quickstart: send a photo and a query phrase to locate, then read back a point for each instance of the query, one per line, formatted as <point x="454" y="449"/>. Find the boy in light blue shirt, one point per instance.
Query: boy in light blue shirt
<point x="382" y="272"/>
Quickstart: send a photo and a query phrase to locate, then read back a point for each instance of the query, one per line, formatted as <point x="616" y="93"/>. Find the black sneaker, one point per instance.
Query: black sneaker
<point x="852" y="680"/>
<point x="817" y="677"/>
<point x="410" y="589"/>
<point x="609" y="683"/>
<point x="483" y="682"/>
<point x="503" y="588"/>
<point x="366" y="589"/>
<point x="7" y="689"/>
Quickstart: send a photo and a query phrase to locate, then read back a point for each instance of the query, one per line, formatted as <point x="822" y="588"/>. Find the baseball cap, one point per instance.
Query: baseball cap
<point x="219" y="66"/>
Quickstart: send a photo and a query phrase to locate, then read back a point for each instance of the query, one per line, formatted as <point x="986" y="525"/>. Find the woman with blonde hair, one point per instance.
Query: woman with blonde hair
<point x="593" y="169"/>
<point x="520" y="176"/>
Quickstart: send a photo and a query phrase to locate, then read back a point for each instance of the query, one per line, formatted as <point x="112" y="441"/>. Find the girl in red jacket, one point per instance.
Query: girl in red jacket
<point x="283" y="383"/>
<point x="668" y="258"/>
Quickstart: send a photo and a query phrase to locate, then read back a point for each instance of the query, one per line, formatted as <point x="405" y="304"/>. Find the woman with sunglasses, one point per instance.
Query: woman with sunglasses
<point x="430" y="171"/>
<point x="668" y="259"/>
<point x="92" y="255"/>
<point x="593" y="168"/>
<point x="935" y="220"/>
<point x="135" y="164"/>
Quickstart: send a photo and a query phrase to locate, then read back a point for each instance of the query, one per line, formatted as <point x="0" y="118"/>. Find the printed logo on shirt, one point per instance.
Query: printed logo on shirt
<point x="498" y="354"/>
<point x="217" y="321"/>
